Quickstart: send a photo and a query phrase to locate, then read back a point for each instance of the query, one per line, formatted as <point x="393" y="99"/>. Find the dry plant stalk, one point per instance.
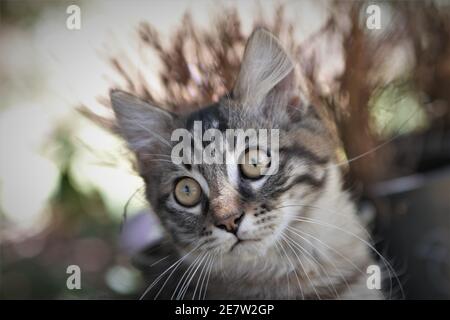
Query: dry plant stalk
<point x="200" y="66"/>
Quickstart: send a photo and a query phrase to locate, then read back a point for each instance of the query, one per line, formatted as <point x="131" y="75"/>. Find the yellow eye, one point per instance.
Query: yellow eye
<point x="187" y="192"/>
<point x="255" y="163"/>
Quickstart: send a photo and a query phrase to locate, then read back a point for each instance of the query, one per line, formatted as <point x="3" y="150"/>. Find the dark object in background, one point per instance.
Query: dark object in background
<point x="413" y="218"/>
<point x="414" y="223"/>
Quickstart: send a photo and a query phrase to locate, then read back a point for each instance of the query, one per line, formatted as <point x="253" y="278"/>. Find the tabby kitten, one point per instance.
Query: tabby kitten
<point x="244" y="235"/>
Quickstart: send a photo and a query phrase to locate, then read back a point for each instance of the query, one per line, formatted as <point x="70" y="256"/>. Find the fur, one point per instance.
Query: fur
<point x="299" y="236"/>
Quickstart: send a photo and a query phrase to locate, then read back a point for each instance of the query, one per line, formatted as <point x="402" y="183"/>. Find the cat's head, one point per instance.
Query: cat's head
<point x="233" y="208"/>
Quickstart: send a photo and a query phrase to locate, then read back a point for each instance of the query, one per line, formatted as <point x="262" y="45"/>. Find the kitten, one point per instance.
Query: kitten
<point x="244" y="235"/>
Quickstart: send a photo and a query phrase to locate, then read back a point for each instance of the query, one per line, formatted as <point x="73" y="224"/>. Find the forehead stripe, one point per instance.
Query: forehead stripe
<point x="302" y="152"/>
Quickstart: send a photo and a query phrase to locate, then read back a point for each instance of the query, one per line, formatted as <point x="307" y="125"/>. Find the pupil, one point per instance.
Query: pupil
<point x="186" y="189"/>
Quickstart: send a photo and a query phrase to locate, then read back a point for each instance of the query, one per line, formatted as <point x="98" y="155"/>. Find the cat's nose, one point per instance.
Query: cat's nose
<point x="231" y="223"/>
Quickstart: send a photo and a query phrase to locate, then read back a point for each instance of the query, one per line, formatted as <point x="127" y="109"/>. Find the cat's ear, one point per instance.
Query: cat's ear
<point x="266" y="70"/>
<point x="146" y="128"/>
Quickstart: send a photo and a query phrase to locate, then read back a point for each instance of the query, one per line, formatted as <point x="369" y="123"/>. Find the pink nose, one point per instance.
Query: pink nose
<point x="231" y="223"/>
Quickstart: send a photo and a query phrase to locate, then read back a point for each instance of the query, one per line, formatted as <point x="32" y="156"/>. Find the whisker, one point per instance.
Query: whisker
<point x="160" y="138"/>
<point x="293" y="230"/>
<point x="205" y="270"/>
<point x="161" y="275"/>
<point x="209" y="274"/>
<point x="379" y="146"/>
<point x="127" y="204"/>
<point x="333" y="212"/>
<point x="165" y="282"/>
<point x="200" y="276"/>
<point x="160" y="260"/>
<point x="329" y="247"/>
<point x="157" y="155"/>
<point x="193" y="275"/>
<point x="159" y="160"/>
<point x="386" y="263"/>
<point x="314" y="262"/>
<point x="182" y="279"/>
<point x="295" y="272"/>
<point x="302" y="266"/>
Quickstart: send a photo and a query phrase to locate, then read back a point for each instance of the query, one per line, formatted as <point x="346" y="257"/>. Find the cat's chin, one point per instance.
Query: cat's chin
<point x="246" y="248"/>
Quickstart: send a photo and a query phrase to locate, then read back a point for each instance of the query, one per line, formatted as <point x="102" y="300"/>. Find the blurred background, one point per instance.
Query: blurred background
<point x="68" y="191"/>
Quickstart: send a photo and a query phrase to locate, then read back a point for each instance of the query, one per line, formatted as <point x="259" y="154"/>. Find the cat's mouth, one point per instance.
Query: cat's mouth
<point x="240" y="242"/>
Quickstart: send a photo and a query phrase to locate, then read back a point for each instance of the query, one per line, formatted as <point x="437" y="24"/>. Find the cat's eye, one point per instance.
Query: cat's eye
<point x="187" y="192"/>
<point x="255" y="163"/>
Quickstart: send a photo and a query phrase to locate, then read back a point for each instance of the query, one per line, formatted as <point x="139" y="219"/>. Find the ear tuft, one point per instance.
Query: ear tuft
<point x="265" y="64"/>
<point x="144" y="126"/>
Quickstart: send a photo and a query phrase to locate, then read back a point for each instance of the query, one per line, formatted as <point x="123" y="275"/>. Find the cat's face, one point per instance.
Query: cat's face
<point x="233" y="208"/>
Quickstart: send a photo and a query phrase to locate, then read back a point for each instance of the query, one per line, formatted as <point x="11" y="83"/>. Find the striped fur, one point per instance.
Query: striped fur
<point x="302" y="238"/>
